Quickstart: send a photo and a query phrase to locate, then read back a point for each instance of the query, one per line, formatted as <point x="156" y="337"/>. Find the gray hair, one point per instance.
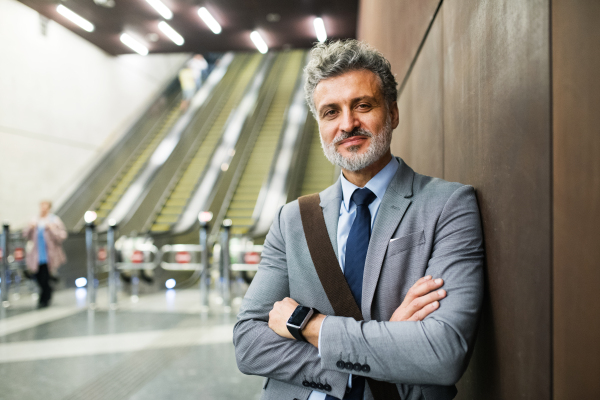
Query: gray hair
<point x="341" y="56"/>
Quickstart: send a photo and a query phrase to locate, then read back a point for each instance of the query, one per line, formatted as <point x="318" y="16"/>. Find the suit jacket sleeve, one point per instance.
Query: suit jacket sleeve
<point x="433" y="351"/>
<point x="259" y="350"/>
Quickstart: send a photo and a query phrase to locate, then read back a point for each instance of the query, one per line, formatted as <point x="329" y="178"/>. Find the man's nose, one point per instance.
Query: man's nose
<point x="349" y="122"/>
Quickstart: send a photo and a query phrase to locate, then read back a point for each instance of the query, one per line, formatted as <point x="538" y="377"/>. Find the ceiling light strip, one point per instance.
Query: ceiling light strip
<point x="320" y="29"/>
<point x="171" y="33"/>
<point x="160" y="8"/>
<point x="133" y="44"/>
<point x="75" y="18"/>
<point x="259" y="42"/>
<point x="209" y="20"/>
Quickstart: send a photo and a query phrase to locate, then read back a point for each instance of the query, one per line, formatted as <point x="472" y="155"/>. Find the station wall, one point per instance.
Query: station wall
<point x="63" y="103"/>
<point x="504" y="95"/>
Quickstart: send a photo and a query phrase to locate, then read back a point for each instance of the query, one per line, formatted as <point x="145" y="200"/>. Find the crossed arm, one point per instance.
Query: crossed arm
<point x="409" y="349"/>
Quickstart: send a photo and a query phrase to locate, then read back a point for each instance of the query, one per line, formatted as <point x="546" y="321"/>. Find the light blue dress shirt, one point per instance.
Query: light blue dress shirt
<point x="378" y="185"/>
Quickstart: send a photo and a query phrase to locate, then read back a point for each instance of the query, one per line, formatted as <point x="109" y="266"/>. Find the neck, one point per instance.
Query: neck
<point x="361" y="177"/>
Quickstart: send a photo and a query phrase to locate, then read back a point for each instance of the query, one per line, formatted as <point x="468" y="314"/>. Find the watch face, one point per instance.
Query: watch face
<point x="298" y="315"/>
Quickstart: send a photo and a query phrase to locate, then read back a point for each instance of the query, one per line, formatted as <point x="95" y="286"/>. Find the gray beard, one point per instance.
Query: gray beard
<point x="379" y="145"/>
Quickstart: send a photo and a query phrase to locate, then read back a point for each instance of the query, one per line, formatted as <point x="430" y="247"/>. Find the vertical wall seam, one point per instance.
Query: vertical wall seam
<point x="551" y="194"/>
<point x="414" y="60"/>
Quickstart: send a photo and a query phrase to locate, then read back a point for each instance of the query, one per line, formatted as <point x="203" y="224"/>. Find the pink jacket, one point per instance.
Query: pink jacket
<point x="54" y="234"/>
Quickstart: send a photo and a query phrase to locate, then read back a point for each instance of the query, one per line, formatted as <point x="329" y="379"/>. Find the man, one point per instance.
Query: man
<point x="398" y="236"/>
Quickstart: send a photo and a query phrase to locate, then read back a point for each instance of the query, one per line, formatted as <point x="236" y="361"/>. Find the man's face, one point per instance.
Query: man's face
<point x="354" y="120"/>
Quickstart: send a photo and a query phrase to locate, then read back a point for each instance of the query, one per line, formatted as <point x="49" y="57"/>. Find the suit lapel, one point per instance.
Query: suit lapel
<point x="393" y="206"/>
<point x="331" y="200"/>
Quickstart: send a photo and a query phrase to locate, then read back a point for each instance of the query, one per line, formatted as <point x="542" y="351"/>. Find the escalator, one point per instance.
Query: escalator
<point x="92" y="189"/>
<point x="319" y="173"/>
<point x="137" y="160"/>
<point x="260" y="159"/>
<point x="190" y="171"/>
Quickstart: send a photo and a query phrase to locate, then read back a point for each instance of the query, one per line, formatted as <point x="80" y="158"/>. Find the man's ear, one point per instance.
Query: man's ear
<point x="393" y="110"/>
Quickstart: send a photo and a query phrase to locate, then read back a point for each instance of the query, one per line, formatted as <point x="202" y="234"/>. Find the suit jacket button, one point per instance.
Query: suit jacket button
<point x="327" y="387"/>
<point x="357" y="367"/>
<point x="366" y="368"/>
<point x="306" y="383"/>
<point x="340" y="364"/>
<point x="349" y="365"/>
<point x="320" y="386"/>
<point x="313" y="385"/>
<point x="295" y="398"/>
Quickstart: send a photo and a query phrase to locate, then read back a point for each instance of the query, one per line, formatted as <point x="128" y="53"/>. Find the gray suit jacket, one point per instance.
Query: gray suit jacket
<point x="424" y="226"/>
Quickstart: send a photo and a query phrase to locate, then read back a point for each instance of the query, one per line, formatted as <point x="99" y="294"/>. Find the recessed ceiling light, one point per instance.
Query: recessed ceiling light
<point x="259" y="42"/>
<point x="160" y="8"/>
<point x="75" y="18"/>
<point x="133" y="44"/>
<point x="209" y="20"/>
<point x="320" y="30"/>
<point x="171" y="33"/>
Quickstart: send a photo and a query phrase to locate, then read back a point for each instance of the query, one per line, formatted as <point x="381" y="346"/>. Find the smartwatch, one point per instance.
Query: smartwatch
<point x="298" y="321"/>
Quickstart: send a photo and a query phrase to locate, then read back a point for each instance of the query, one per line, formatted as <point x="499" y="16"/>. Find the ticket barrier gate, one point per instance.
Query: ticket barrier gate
<point x="181" y="257"/>
<point x="13" y="266"/>
<point x="135" y="255"/>
<point x="188" y="257"/>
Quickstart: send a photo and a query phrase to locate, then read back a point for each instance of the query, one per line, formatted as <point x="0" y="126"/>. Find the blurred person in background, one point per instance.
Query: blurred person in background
<point x="188" y="86"/>
<point x="199" y="67"/>
<point x="45" y="254"/>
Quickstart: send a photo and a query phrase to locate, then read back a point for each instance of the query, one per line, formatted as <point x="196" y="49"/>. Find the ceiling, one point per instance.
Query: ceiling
<point x="290" y="24"/>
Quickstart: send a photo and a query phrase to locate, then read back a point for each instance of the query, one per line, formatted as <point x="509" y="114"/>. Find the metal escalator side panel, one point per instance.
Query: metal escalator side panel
<point x="135" y="192"/>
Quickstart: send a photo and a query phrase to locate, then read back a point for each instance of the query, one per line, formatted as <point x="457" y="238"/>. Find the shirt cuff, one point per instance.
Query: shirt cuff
<point x="319" y="341"/>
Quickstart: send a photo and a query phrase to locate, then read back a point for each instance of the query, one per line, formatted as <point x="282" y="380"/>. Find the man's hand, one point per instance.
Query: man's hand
<point x="421" y="300"/>
<point x="279" y="315"/>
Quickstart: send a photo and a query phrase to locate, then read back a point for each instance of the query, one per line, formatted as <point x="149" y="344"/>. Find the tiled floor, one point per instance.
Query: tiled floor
<point x="160" y="347"/>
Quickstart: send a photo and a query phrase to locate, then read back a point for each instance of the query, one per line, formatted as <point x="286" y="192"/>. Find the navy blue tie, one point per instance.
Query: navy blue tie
<point x="356" y="253"/>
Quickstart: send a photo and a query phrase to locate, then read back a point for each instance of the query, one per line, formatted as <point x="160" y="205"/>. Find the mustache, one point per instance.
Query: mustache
<point x="352" y="133"/>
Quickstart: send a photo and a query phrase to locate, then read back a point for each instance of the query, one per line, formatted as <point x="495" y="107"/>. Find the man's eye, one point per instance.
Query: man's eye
<point x="329" y="113"/>
<point x="363" y="106"/>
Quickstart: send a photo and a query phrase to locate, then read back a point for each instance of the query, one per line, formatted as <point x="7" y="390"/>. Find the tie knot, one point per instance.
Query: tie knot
<point x="363" y="197"/>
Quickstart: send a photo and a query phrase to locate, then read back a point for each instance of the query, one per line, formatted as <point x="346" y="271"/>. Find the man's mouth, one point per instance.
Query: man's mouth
<point x="352" y="141"/>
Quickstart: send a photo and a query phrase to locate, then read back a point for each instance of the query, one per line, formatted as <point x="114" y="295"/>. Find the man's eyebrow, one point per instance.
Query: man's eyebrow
<point x="353" y="101"/>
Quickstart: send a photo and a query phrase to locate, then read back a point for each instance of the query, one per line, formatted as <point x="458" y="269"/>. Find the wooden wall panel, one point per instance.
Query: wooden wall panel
<point x="419" y="138"/>
<point x="576" y="115"/>
<point x="497" y="138"/>
<point x="396" y="28"/>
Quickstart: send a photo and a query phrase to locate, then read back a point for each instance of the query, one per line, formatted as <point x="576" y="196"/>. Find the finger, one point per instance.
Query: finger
<point x="424" y="312"/>
<point x="421" y="302"/>
<point x="425" y="287"/>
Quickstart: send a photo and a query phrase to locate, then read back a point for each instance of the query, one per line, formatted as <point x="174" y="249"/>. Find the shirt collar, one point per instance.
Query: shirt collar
<point x="378" y="184"/>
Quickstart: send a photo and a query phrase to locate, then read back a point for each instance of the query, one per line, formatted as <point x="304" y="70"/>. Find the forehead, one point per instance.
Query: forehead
<point x="348" y="86"/>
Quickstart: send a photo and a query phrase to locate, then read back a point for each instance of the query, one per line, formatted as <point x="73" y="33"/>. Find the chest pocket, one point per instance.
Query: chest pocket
<point x="403" y="243"/>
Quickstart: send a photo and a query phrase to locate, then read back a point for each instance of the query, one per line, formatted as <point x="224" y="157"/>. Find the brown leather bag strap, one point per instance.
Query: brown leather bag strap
<point x="332" y="278"/>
